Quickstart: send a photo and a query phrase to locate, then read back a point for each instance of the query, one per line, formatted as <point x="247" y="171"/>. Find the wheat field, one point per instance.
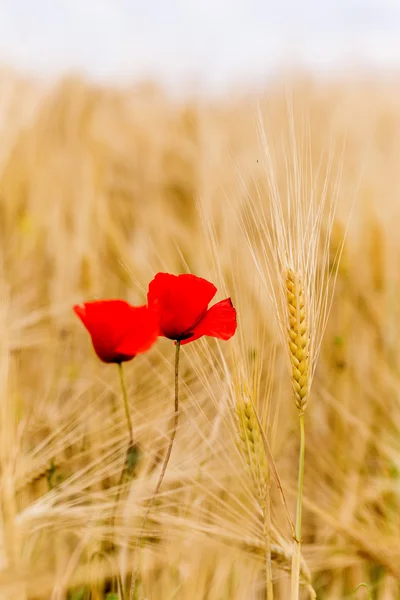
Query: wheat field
<point x="101" y="188"/>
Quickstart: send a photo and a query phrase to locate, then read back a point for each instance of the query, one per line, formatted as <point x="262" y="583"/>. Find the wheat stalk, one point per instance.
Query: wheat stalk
<point x="253" y="447"/>
<point x="293" y="264"/>
<point x="299" y="358"/>
<point x="253" y="451"/>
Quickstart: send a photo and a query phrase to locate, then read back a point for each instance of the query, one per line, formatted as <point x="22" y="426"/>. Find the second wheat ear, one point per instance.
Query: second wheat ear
<point x="253" y="447"/>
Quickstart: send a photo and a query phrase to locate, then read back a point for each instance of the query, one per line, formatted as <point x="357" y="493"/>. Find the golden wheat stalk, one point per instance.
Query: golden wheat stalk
<point x="253" y="451"/>
<point x="299" y="357"/>
<point x="293" y="263"/>
<point x="297" y="279"/>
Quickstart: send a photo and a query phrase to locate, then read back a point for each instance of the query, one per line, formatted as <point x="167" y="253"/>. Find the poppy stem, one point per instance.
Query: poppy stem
<point x="164" y="467"/>
<point x="126" y="404"/>
<point x="127" y="467"/>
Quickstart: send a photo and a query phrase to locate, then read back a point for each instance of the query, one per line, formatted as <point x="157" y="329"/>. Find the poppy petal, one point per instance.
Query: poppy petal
<point x="80" y="311"/>
<point x="142" y="330"/>
<point x="182" y="301"/>
<point x="105" y="320"/>
<point x="219" y="322"/>
<point x="118" y="330"/>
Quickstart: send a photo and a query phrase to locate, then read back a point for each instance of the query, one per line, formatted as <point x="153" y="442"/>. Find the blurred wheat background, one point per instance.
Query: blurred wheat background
<point x="100" y="188"/>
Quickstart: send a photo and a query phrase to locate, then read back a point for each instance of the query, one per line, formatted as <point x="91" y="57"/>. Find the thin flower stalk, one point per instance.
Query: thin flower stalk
<point x="126" y="404"/>
<point x="164" y="466"/>
<point x="182" y="305"/>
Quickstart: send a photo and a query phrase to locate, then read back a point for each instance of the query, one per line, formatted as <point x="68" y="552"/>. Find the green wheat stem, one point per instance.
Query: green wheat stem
<point x="296" y="558"/>
<point x="126" y="465"/>
<point x="269" y="588"/>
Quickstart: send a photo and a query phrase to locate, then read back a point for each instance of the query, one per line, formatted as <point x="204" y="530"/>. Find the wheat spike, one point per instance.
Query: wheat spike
<point x="298" y="339"/>
<point x="252" y="447"/>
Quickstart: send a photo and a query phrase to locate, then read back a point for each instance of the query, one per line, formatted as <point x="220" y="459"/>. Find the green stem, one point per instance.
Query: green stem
<point x="164" y="467"/>
<point x="126" y="465"/>
<point x="269" y="588"/>
<point x="296" y="558"/>
<point x="126" y="404"/>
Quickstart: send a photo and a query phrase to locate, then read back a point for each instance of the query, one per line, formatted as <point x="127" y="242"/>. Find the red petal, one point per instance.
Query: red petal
<point x="80" y="311"/>
<point x="219" y="322"/>
<point x="118" y="330"/>
<point x="141" y="332"/>
<point x="181" y="300"/>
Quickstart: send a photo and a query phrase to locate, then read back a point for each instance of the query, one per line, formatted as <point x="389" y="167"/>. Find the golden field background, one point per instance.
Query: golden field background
<point x="100" y="189"/>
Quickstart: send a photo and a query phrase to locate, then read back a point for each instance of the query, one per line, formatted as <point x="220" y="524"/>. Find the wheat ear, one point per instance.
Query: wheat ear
<point x="252" y="448"/>
<point x="298" y="339"/>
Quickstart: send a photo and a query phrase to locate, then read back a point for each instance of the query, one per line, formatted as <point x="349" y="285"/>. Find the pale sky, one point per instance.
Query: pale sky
<point x="218" y="42"/>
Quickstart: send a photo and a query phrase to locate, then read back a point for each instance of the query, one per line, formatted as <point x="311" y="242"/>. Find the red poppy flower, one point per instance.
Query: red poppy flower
<point x="118" y="330"/>
<point x="182" y="302"/>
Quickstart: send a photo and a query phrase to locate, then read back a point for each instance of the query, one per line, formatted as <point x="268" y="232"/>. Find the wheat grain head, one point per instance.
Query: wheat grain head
<point x="288" y="224"/>
<point x="252" y="445"/>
